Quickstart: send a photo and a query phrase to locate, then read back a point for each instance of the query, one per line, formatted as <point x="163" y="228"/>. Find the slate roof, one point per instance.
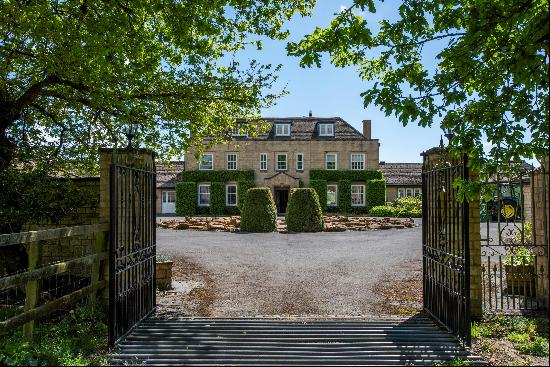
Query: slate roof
<point x="306" y="128"/>
<point x="169" y="174"/>
<point x="402" y="174"/>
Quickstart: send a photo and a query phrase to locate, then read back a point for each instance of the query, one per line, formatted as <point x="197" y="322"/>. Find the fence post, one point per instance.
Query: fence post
<point x="31" y="289"/>
<point x="98" y="267"/>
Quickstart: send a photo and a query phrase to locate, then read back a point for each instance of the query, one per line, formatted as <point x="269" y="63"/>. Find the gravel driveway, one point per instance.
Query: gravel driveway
<point x="315" y="274"/>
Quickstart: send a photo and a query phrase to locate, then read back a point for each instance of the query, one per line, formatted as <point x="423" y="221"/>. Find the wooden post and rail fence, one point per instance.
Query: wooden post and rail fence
<point x="30" y="279"/>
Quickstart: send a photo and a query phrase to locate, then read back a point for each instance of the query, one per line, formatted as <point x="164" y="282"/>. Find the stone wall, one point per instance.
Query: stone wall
<point x="72" y="247"/>
<point x="248" y="156"/>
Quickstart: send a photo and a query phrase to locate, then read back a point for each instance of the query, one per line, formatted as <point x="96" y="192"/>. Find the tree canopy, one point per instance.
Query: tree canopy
<point x="75" y="74"/>
<point x="490" y="80"/>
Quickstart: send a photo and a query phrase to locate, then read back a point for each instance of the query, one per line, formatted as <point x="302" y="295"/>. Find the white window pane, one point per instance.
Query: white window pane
<point x="332" y="194"/>
<point x="232" y="161"/>
<point x="263" y="162"/>
<point x="170" y="196"/>
<point x="204" y="195"/>
<point x="357" y="161"/>
<point x="206" y="162"/>
<point x="330" y="160"/>
<point x="409" y="192"/>
<point x="231" y="195"/>
<point x="281" y="162"/>
<point x="299" y="161"/>
<point x="357" y="195"/>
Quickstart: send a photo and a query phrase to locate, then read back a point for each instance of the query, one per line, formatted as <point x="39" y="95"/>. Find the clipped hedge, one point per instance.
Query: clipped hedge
<point x="259" y="213"/>
<point x="320" y="186"/>
<point x="217" y="176"/>
<point x="344" y="196"/>
<point x="242" y="188"/>
<point x="337" y="175"/>
<point x="392" y="211"/>
<point x="375" y="193"/>
<point x="303" y="212"/>
<point x="217" y="198"/>
<point x="186" y="198"/>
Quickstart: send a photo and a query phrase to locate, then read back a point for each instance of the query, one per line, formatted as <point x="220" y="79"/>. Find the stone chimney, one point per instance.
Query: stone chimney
<point x="367" y="129"/>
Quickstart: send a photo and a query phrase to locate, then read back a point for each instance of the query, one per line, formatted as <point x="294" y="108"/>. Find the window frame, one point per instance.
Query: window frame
<point x="325" y="125"/>
<point x="417" y="191"/>
<point x="227" y="161"/>
<point x="336" y="195"/>
<point x="235" y="132"/>
<point x="335" y="161"/>
<point x="263" y="155"/>
<point x="409" y="190"/>
<point x="283" y="126"/>
<point x="211" y="162"/>
<point x="165" y="195"/>
<point x="277" y="162"/>
<point x="301" y="160"/>
<point x="363" y="194"/>
<point x="227" y="186"/>
<point x="199" y="194"/>
<point x="351" y="161"/>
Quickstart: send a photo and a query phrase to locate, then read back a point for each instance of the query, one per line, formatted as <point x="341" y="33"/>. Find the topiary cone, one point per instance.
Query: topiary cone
<point x="259" y="213"/>
<point x="303" y="212"/>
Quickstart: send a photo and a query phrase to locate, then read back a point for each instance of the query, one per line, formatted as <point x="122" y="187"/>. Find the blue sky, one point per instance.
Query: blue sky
<point x="329" y="91"/>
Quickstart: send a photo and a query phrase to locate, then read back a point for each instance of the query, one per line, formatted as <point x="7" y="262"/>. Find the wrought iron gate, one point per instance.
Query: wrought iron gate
<point x="445" y="244"/>
<point x="514" y="247"/>
<point x="132" y="291"/>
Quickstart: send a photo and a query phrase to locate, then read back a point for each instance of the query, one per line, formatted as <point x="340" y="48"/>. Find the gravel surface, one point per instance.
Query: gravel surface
<point x="307" y="274"/>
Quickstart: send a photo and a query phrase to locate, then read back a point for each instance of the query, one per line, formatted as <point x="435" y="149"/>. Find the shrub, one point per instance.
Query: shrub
<point x="303" y="212"/>
<point x="217" y="198"/>
<point x="186" y="198"/>
<point x="79" y="339"/>
<point x="259" y="213"/>
<point x="375" y="192"/>
<point x="242" y="188"/>
<point x="391" y="211"/>
<point x="337" y="175"/>
<point x="409" y="203"/>
<point x="320" y="186"/>
<point x="344" y="196"/>
<point x="383" y="211"/>
<point x="216" y="176"/>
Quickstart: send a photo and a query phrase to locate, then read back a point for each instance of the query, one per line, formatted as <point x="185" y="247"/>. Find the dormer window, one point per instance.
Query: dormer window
<point x="240" y="130"/>
<point x="326" y="129"/>
<point x="282" y="129"/>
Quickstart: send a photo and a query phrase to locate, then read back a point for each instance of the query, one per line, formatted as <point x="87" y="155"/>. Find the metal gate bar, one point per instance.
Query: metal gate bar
<point x="445" y="250"/>
<point x="132" y="291"/>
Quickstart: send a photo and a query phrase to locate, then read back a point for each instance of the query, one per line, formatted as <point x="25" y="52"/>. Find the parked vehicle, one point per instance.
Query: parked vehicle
<point x="507" y="205"/>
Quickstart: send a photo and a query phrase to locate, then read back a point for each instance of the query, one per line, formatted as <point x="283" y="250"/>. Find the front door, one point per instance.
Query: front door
<point x="168" y="202"/>
<point x="281" y="199"/>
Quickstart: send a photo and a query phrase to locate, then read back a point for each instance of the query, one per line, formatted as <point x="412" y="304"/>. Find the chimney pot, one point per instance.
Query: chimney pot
<point x="367" y="129"/>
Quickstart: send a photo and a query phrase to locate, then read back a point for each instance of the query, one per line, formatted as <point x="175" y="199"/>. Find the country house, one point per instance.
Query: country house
<point x="326" y="153"/>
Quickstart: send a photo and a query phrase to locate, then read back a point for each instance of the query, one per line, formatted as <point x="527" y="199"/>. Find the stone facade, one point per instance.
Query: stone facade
<point x="304" y="139"/>
<point x="248" y="157"/>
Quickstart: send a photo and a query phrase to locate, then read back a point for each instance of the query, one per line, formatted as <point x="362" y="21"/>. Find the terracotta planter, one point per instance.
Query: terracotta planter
<point x="164" y="275"/>
<point x="520" y="280"/>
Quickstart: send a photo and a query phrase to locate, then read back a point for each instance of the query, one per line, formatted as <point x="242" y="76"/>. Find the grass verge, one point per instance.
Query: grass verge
<point x="516" y="340"/>
<point x="78" y="339"/>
